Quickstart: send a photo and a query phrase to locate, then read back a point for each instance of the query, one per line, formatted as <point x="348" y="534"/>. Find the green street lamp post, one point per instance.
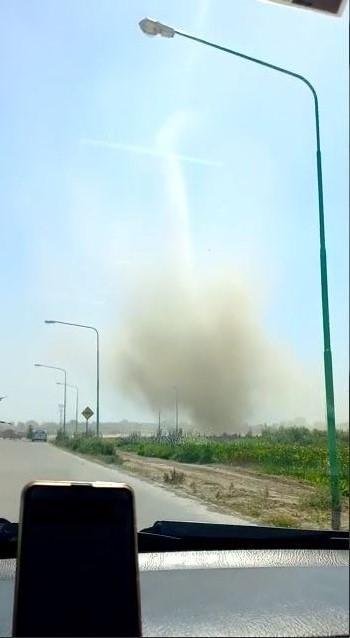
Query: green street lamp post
<point x="152" y="28"/>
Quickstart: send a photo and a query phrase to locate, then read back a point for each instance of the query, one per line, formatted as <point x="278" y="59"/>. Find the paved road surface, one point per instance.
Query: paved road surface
<point x="23" y="461"/>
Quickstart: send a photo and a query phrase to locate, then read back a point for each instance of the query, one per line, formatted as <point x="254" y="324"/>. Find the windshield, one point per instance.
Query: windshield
<point x="162" y="212"/>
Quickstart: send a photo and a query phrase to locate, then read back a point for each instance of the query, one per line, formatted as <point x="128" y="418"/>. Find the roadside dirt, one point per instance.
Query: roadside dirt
<point x="272" y="500"/>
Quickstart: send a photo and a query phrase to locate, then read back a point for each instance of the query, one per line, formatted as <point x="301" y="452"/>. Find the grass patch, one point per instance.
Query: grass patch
<point x="319" y="501"/>
<point x="102" y="449"/>
<point x="281" y="520"/>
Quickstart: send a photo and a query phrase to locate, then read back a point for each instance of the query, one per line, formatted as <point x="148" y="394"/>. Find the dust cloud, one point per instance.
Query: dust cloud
<point x="207" y="339"/>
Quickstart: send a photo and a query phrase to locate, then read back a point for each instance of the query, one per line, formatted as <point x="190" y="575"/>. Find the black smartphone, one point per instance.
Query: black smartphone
<point x="77" y="567"/>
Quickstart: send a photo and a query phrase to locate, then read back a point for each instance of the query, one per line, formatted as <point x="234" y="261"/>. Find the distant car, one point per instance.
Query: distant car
<point x="39" y="435"/>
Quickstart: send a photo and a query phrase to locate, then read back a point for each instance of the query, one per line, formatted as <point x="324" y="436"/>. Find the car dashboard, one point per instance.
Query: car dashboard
<point x="278" y="592"/>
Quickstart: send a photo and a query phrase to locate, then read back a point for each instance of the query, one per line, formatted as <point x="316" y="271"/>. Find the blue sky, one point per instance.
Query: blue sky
<point x="89" y="199"/>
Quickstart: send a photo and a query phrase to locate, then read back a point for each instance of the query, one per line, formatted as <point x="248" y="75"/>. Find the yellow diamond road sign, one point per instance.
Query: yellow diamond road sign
<point x="87" y="413"/>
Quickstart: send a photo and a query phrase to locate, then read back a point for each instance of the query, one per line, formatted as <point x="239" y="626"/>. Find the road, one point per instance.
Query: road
<point x="23" y="461"/>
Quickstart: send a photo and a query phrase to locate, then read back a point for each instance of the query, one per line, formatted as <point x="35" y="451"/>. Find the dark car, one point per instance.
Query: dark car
<point x="39" y="435"/>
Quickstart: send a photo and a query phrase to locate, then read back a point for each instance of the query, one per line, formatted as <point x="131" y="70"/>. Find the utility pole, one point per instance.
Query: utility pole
<point x="60" y="410"/>
<point x="75" y="387"/>
<point x="159" y="427"/>
<point x="176" y="412"/>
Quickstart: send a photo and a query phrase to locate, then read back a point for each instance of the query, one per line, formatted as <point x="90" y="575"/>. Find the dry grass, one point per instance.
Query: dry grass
<point x="174" y="477"/>
<point x="235" y="490"/>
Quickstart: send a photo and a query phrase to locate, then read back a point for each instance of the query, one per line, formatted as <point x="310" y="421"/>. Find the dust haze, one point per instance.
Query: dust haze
<point x="207" y="339"/>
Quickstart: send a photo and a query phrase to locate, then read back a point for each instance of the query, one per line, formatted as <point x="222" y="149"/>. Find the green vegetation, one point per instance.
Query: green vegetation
<point x="280" y="520"/>
<point x="103" y="449"/>
<point x="294" y="452"/>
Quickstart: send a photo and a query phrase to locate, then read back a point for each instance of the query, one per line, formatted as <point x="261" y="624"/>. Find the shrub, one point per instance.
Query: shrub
<point x="281" y="520"/>
<point x="174" y="477"/>
<point x="95" y="446"/>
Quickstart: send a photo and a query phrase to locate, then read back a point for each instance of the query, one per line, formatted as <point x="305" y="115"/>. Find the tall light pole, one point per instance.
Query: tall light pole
<point x="176" y="410"/>
<point x="81" y="325"/>
<point x="43" y="365"/>
<point x="152" y="27"/>
<point x="60" y="412"/>
<point x="74" y="387"/>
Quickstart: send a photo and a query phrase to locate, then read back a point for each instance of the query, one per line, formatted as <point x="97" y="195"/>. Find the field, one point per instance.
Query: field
<point x="279" y="477"/>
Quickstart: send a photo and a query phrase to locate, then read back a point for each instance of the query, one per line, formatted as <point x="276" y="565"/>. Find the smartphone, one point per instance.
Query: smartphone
<point x="77" y="567"/>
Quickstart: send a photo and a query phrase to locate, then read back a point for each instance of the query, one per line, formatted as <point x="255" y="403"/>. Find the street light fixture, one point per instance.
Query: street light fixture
<point x="43" y="365"/>
<point x="152" y="27"/>
<point x="75" y="387"/>
<point x="81" y="325"/>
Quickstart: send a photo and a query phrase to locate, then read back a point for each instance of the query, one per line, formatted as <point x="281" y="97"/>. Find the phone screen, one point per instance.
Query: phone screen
<point x="77" y="568"/>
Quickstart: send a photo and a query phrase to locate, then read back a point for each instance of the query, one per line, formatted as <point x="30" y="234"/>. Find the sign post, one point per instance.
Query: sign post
<point x="87" y="414"/>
